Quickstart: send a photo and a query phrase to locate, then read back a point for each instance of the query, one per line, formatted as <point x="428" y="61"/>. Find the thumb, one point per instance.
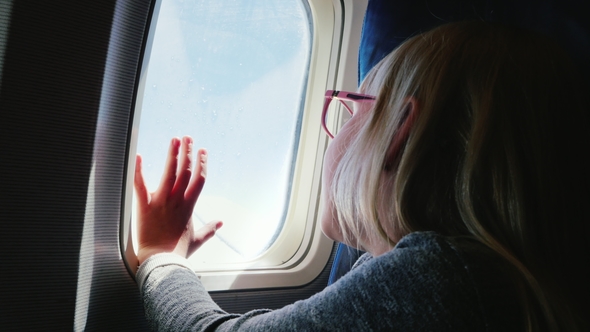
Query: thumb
<point x="203" y="234"/>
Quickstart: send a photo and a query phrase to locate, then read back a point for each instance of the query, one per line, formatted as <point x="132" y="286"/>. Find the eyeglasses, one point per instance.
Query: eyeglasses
<point x="342" y="96"/>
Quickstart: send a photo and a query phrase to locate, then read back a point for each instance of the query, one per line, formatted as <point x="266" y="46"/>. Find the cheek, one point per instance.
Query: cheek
<point x="333" y="156"/>
<point x="339" y="145"/>
<point x="329" y="217"/>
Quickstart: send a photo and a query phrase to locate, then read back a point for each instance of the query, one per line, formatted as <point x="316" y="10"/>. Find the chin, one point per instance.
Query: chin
<point x="330" y="228"/>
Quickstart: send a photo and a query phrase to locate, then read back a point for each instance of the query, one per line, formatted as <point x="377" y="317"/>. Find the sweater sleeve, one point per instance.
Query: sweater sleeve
<point x="421" y="285"/>
<point x="174" y="298"/>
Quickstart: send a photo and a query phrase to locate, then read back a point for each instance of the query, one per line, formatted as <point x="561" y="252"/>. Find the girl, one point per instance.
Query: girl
<point x="463" y="177"/>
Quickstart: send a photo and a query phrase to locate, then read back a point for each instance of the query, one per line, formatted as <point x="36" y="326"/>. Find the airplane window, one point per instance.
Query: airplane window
<point x="231" y="74"/>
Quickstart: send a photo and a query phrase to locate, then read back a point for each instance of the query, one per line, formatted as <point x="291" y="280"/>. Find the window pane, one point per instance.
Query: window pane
<point x="232" y="75"/>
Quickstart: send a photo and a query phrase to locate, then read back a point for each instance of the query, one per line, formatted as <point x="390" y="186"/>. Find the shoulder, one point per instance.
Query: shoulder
<point x="449" y="282"/>
<point x="430" y="254"/>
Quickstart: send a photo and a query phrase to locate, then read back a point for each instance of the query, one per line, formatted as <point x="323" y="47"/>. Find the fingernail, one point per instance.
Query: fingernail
<point x="175" y="142"/>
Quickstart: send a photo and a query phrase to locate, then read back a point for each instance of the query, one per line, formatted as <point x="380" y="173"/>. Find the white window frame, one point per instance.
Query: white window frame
<point x="301" y="249"/>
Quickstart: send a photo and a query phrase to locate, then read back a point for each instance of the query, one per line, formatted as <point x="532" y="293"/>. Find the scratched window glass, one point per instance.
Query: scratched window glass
<point x="232" y="74"/>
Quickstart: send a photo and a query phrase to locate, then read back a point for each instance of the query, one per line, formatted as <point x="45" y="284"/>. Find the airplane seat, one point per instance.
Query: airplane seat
<point x="389" y="23"/>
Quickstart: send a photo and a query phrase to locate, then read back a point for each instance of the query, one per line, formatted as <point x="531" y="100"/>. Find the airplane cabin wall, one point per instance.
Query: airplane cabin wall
<point x="51" y="94"/>
<point x="69" y="76"/>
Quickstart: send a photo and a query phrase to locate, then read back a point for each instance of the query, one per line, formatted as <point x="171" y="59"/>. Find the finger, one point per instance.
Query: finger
<point x="139" y="183"/>
<point x="203" y="235"/>
<point x="169" y="176"/>
<point x="198" y="180"/>
<point x="184" y="172"/>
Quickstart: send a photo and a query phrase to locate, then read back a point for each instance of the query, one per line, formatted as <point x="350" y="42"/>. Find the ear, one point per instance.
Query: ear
<point x="398" y="143"/>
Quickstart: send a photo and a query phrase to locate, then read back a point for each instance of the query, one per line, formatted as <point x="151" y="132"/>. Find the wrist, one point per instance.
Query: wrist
<point x="144" y="253"/>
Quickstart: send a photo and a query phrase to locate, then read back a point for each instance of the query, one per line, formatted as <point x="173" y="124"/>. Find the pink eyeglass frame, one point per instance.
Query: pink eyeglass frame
<point x="342" y="96"/>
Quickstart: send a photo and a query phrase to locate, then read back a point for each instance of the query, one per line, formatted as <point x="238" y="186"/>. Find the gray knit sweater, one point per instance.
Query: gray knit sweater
<point x="428" y="282"/>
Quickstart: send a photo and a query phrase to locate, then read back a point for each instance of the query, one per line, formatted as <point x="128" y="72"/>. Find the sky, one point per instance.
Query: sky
<point x="232" y="75"/>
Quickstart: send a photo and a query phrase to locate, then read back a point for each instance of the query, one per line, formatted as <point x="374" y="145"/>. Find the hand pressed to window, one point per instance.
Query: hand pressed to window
<point x="165" y="221"/>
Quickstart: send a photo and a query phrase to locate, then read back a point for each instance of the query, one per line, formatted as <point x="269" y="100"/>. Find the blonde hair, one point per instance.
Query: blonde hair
<point x="496" y="152"/>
